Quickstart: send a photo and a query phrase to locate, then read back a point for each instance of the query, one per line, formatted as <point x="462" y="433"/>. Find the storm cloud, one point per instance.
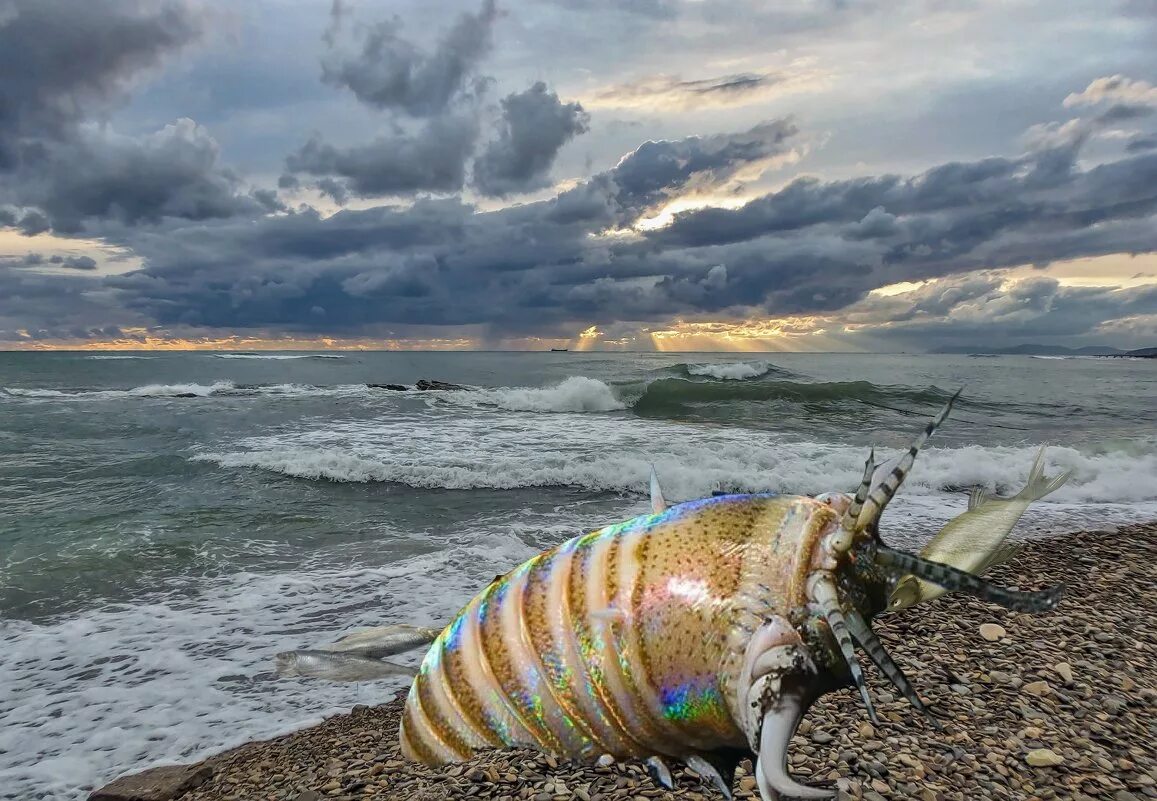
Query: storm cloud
<point x="813" y="247"/>
<point x="698" y="182"/>
<point x="385" y="70"/>
<point x="66" y="63"/>
<point x="432" y="158"/>
<point x="535" y="125"/>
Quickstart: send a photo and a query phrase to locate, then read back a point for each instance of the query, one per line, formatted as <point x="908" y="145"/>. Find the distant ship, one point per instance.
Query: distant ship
<point x="558" y="350"/>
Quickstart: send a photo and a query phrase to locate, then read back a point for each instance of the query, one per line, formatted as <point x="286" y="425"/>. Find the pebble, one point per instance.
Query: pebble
<point x="1043" y="758"/>
<point x="994" y="736"/>
<point x="992" y="631"/>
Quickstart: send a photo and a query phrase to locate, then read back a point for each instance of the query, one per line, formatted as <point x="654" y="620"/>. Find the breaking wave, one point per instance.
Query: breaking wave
<point x="575" y="394"/>
<point x="615" y="454"/>
<point x="673" y="396"/>
<point x="729" y="371"/>
<point x="108" y="357"/>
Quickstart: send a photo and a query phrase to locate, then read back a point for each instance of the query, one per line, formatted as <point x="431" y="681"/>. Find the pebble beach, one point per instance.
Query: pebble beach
<point x="1056" y="706"/>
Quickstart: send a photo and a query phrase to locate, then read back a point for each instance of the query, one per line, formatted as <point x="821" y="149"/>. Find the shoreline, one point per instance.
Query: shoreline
<point x="1077" y="682"/>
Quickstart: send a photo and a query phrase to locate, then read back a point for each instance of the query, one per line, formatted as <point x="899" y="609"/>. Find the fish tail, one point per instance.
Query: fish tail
<point x="1039" y="485"/>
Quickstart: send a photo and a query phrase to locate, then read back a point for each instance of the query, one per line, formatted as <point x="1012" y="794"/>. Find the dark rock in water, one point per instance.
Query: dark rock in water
<point x="157" y="784"/>
<point x="186" y="395"/>
<point x="395" y="387"/>
<point x="426" y="386"/>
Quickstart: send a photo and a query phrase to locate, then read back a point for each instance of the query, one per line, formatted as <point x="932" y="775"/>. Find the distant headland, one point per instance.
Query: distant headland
<point x="1052" y="350"/>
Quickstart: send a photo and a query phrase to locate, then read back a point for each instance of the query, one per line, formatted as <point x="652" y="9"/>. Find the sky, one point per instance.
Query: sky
<point x="804" y="175"/>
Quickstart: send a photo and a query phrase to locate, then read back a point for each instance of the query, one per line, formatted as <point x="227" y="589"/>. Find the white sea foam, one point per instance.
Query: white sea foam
<point x="276" y="356"/>
<point x="109" y="357"/>
<point x="730" y="371"/>
<point x="174" y="390"/>
<point x="147" y="391"/>
<point x="609" y="453"/>
<point x="129" y="686"/>
<point x="575" y="394"/>
<point x="216" y="389"/>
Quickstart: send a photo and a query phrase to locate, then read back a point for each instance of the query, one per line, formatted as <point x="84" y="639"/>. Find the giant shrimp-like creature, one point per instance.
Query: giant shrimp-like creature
<point x="701" y="633"/>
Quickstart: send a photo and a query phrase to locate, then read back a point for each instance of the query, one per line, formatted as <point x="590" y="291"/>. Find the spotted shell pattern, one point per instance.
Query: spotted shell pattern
<point x="626" y="641"/>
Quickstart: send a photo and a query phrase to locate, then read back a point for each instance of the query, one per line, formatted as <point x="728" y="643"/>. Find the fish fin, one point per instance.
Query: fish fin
<point x="976" y="498"/>
<point x="658" y="503"/>
<point x="1003" y="554"/>
<point x="1039" y="485"/>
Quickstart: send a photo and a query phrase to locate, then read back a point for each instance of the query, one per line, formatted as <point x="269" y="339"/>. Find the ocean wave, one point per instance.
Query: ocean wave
<point x="674" y="396"/>
<point x="730" y="371"/>
<point x="615" y="454"/>
<point x="108" y="357"/>
<point x="181" y="390"/>
<point x="147" y="391"/>
<point x="575" y="394"/>
<point x="276" y="356"/>
<point x="218" y="389"/>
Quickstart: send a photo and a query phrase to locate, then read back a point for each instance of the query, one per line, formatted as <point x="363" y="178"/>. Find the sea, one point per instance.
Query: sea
<point x="170" y="521"/>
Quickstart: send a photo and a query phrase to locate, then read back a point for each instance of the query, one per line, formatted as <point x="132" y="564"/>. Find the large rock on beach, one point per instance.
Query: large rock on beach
<point x="165" y="783"/>
<point x="427" y="385"/>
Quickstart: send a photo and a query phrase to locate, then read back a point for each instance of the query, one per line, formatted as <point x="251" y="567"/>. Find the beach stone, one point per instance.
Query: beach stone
<point x="307" y="795"/>
<point x="992" y="632"/>
<point x="157" y="784"/>
<point x="1065" y="671"/>
<point x="1043" y="758"/>
<point x="1037" y="688"/>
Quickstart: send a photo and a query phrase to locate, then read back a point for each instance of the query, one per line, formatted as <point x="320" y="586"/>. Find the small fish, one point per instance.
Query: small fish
<point x="336" y="666"/>
<point x="975" y="540"/>
<point x="383" y="641"/>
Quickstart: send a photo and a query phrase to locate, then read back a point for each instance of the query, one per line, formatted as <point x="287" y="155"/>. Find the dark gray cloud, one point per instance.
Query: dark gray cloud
<point x="40" y="306"/>
<point x="983" y="310"/>
<point x="384" y="70"/>
<point x="432" y="158"/>
<point x="1141" y="142"/>
<point x="100" y="175"/>
<point x="535" y="125"/>
<point x="813" y="247"/>
<point x="667" y="92"/>
<point x="657" y="169"/>
<point x="657" y="9"/>
<point x="66" y="62"/>
<point x="62" y="60"/>
<point x="39" y="260"/>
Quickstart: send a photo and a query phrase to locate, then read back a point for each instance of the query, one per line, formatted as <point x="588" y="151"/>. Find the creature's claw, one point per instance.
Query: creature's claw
<point x="660" y="773"/>
<point x="707" y="771"/>
<point x="779" y="724"/>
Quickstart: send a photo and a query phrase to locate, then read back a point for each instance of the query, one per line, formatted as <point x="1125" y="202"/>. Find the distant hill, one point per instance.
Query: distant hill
<point x="1050" y="350"/>
<point x="1036" y="350"/>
